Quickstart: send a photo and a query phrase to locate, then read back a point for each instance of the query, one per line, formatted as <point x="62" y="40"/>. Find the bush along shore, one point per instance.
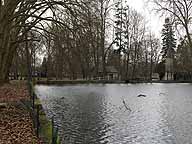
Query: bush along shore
<point x="22" y="119"/>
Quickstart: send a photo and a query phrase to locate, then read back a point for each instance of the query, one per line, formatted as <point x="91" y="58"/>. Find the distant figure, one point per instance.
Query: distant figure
<point x="141" y="95"/>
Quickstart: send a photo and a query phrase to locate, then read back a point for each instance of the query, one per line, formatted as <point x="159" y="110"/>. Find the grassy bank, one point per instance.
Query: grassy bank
<point x="46" y="130"/>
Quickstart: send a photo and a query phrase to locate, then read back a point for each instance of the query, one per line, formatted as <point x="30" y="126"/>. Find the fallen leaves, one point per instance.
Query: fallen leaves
<point x="13" y="92"/>
<point x="16" y="127"/>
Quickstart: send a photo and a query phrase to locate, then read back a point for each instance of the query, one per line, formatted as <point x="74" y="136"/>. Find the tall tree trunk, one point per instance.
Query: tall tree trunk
<point x="127" y="67"/>
<point x="151" y="60"/>
<point x="134" y="62"/>
<point x="6" y="57"/>
<point x="103" y="28"/>
<point x="189" y="37"/>
<point x="7" y="49"/>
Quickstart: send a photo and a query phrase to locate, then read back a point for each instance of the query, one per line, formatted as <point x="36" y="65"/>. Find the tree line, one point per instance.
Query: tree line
<point x="81" y="38"/>
<point x="88" y="42"/>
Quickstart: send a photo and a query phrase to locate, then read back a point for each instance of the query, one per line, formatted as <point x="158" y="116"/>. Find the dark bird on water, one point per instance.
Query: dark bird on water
<point x="63" y="98"/>
<point x="141" y="95"/>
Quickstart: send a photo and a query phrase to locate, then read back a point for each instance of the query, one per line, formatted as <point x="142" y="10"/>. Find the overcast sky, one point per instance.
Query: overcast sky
<point x="154" y="21"/>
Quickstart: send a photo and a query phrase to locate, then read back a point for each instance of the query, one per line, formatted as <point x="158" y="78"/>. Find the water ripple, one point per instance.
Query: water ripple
<point x="113" y="114"/>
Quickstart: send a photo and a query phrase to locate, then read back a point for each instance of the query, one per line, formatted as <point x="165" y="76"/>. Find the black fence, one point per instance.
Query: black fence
<point x="36" y="111"/>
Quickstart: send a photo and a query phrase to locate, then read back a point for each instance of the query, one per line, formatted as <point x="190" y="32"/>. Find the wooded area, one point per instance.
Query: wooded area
<point x="88" y="39"/>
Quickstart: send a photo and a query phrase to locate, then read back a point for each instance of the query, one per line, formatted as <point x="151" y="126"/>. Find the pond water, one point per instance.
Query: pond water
<point x="114" y="114"/>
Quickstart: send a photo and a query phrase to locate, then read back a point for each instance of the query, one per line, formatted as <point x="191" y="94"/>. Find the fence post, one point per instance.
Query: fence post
<point x="54" y="132"/>
<point x="37" y="120"/>
<point x="33" y="101"/>
<point x="52" y="120"/>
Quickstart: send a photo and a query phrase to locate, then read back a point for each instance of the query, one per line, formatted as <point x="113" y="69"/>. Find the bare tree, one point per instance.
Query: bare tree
<point x="16" y="19"/>
<point x="181" y="10"/>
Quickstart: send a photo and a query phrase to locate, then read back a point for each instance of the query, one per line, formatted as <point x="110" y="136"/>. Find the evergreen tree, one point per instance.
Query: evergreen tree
<point x="119" y="32"/>
<point x="122" y="25"/>
<point x="119" y="26"/>
<point x="169" y="41"/>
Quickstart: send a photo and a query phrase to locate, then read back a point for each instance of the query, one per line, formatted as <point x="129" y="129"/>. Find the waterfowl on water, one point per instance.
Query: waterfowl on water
<point x="141" y="95"/>
<point x="63" y="98"/>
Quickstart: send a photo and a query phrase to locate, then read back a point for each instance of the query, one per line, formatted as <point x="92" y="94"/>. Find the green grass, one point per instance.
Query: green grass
<point x="37" y="101"/>
<point x="46" y="128"/>
<point x="45" y="125"/>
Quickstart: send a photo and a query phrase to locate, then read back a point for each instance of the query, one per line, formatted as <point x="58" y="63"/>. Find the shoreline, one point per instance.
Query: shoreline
<point x="72" y="82"/>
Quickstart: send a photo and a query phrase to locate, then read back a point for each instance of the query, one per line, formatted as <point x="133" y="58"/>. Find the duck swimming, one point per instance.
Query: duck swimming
<point x="141" y="95"/>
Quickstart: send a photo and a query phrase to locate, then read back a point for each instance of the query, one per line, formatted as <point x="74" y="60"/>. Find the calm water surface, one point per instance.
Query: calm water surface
<point x="113" y="114"/>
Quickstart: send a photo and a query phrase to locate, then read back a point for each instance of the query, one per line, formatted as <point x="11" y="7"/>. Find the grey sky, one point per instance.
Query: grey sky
<point x="154" y="21"/>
